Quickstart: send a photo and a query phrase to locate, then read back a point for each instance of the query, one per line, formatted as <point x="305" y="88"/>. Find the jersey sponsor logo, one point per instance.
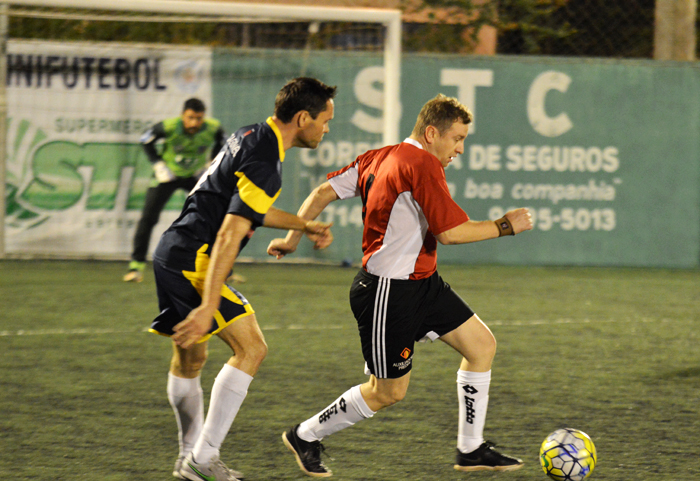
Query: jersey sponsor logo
<point x="402" y="365"/>
<point x="233" y="145"/>
<point x="328" y="413"/>
<point x="406" y="353"/>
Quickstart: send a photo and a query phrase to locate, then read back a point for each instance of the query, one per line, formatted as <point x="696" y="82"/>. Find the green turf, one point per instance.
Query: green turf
<point x="613" y="352"/>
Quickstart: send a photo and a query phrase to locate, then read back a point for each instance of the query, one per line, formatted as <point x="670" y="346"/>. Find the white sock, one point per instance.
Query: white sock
<point x="227" y="395"/>
<point x="345" y="411"/>
<point x="473" y="395"/>
<point x="185" y="396"/>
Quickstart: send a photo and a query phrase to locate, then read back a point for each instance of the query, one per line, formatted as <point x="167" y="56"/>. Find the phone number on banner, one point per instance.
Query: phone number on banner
<point x="581" y="219"/>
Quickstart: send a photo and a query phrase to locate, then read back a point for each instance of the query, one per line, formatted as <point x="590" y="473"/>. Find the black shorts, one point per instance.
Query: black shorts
<point x="180" y="291"/>
<point x="393" y="314"/>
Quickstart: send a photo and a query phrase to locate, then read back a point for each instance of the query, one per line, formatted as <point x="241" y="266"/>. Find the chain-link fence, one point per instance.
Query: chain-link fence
<point x="592" y="28"/>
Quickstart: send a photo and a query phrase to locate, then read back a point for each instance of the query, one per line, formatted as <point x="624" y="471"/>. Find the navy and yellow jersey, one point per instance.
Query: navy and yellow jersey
<point x="244" y="179"/>
<point x="184" y="154"/>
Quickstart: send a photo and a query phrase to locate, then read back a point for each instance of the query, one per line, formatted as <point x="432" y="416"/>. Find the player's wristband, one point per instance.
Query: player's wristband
<point x="504" y="227"/>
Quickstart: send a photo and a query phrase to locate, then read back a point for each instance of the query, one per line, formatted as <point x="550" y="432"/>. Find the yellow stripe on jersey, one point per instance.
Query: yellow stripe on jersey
<point x="256" y="198"/>
<point x="278" y="134"/>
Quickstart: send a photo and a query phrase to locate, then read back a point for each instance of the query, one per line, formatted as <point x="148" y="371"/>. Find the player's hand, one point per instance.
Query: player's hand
<point x="520" y="219"/>
<point x="321" y="241"/>
<point x="189" y="331"/>
<point x="315" y="227"/>
<point x="319" y="233"/>
<point x="162" y="172"/>
<point x="279" y="248"/>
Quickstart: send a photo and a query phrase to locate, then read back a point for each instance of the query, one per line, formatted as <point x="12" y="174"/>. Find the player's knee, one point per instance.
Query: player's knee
<point x="254" y="351"/>
<point x="388" y="397"/>
<point x="260" y="351"/>
<point x="490" y="347"/>
<point x="188" y="367"/>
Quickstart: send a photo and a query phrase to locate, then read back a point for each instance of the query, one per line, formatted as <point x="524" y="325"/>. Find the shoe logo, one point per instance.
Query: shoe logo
<point x="406" y="353"/>
<point x="201" y="475"/>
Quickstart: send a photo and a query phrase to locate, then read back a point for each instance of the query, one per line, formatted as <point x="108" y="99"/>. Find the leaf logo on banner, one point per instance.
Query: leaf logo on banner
<point x="19" y="174"/>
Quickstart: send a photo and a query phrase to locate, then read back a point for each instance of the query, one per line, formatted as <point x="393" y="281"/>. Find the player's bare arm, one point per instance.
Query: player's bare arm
<point x="279" y="219"/>
<point x="223" y="255"/>
<point x="519" y="220"/>
<point x="312" y="207"/>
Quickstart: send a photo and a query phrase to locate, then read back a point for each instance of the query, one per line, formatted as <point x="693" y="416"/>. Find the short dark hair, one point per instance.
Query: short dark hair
<point x="441" y="112"/>
<point x="194" y="104"/>
<point x="302" y="93"/>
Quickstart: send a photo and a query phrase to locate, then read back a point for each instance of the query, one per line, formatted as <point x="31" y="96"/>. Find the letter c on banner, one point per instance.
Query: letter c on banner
<point x="536" y="114"/>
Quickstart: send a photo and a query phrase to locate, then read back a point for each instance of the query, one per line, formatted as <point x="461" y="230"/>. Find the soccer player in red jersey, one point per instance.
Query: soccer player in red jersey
<point x="398" y="297"/>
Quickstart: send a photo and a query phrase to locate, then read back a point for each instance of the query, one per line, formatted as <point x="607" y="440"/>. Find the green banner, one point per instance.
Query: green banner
<point x="606" y="154"/>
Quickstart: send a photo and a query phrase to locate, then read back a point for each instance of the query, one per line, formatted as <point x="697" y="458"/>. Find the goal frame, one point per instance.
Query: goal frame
<point x="390" y="18"/>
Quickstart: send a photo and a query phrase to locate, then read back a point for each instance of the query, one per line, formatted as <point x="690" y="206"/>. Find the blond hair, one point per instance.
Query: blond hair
<point x="441" y="112"/>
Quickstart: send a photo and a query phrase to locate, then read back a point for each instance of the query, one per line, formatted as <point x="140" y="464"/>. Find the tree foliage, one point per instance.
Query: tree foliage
<point x="525" y="22"/>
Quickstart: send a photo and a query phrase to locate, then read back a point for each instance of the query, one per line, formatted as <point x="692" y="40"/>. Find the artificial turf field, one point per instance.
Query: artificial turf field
<point x="612" y="352"/>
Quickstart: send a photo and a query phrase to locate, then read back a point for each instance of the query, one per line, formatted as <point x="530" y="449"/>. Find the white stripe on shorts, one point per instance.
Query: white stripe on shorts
<point x="381" y="302"/>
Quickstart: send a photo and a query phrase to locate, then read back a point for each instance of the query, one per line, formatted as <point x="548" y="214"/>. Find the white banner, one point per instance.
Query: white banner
<point x="76" y="174"/>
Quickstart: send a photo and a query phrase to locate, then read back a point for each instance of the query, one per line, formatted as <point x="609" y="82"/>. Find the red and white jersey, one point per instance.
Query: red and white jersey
<point x="406" y="202"/>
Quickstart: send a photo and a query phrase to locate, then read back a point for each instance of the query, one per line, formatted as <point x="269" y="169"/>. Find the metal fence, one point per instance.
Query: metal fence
<point x="590" y="28"/>
<point x="593" y="28"/>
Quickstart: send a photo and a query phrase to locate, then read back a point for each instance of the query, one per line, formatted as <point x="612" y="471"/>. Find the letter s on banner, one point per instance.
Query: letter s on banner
<point x="544" y="125"/>
<point x="367" y="95"/>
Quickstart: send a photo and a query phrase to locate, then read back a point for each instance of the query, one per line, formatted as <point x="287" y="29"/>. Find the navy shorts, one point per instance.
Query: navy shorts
<point x="179" y="292"/>
<point x="393" y="314"/>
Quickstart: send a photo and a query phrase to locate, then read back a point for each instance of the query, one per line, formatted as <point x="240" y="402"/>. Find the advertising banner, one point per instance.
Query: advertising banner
<point x="76" y="173"/>
<point x="606" y="154"/>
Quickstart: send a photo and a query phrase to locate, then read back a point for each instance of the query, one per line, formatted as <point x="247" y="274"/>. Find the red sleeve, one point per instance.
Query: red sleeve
<point x="433" y="196"/>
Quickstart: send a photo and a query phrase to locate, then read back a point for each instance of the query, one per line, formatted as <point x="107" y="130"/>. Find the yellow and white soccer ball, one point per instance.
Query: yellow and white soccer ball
<point x="568" y="455"/>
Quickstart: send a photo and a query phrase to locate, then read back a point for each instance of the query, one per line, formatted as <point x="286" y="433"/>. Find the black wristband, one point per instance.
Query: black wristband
<point x="504" y="227"/>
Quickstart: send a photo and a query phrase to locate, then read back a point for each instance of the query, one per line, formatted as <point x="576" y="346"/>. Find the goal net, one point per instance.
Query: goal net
<point x="85" y="78"/>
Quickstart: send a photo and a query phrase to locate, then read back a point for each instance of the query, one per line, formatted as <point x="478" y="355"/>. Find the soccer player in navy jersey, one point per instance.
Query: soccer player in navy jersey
<point x="398" y="297"/>
<point x="196" y="254"/>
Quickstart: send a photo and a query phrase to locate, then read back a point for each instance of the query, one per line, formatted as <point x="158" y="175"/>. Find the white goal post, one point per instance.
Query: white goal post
<point x="219" y="11"/>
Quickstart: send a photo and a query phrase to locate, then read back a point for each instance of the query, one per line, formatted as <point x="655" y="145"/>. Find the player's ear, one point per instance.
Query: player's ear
<point x="302" y="118"/>
<point x="430" y="134"/>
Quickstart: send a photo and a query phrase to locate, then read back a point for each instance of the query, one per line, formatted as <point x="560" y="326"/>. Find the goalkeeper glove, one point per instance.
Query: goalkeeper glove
<point x="163" y="173"/>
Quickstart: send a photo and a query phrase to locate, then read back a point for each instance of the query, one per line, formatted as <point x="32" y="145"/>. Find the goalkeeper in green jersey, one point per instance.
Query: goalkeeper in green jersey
<point x="180" y="149"/>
